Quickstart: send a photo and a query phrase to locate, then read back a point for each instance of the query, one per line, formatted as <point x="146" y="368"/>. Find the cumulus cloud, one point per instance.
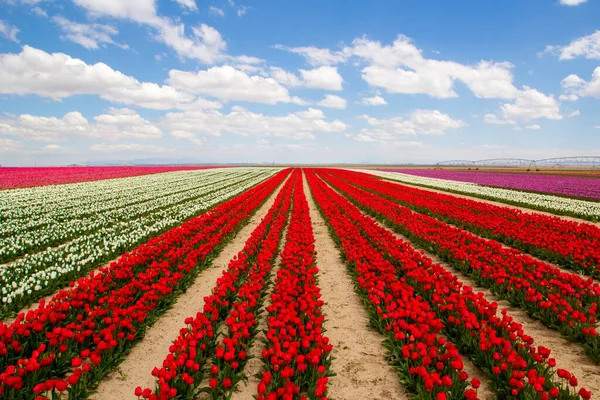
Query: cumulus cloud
<point x="316" y="56"/>
<point x="300" y="125"/>
<point x="204" y="43"/>
<point x="229" y="83"/>
<point x="9" y="31"/>
<point x="90" y="36"/>
<point x="572" y="2"/>
<point x="373" y="101"/>
<point x="117" y="124"/>
<point x="58" y="75"/>
<point x="402" y="68"/>
<point x="420" y="122"/>
<point x="216" y="11"/>
<point x="579" y="87"/>
<point x="531" y="104"/>
<point x="188" y="4"/>
<point x="332" y="101"/>
<point x="9" y="145"/>
<point x="325" y="77"/>
<point x="586" y="46"/>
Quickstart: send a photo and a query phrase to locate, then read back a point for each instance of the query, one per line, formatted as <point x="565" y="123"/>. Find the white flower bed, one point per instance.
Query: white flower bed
<point x="63" y="225"/>
<point x="28" y="278"/>
<point x="560" y="205"/>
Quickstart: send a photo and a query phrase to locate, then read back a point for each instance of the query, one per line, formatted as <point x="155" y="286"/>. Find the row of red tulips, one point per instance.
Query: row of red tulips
<point x="563" y="301"/>
<point x="235" y="301"/>
<point x="496" y="344"/>
<point x="571" y="244"/>
<point x="73" y="341"/>
<point x="297" y="357"/>
<point x="429" y="366"/>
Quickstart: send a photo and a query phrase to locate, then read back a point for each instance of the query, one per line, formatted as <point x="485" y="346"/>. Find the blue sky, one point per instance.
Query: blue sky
<point x="93" y="81"/>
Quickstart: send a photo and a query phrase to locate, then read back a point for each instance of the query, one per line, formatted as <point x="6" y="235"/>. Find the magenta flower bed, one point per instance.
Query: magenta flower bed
<point x="32" y="176"/>
<point x="588" y="188"/>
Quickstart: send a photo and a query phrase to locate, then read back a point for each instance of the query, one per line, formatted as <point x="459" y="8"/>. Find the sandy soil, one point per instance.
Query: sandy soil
<point x="359" y="358"/>
<point x="497" y="203"/>
<point x="152" y="349"/>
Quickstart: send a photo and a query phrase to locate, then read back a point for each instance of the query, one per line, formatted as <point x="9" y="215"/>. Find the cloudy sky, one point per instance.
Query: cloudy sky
<point x="91" y="81"/>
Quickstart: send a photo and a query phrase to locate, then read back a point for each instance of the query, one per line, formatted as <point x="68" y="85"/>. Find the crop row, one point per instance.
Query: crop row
<point x="560" y="300"/>
<point x="496" y="344"/>
<point x="554" y="204"/>
<point x="73" y="341"/>
<point x="81" y="221"/>
<point x="35" y="275"/>
<point x="234" y="302"/>
<point x="574" y="245"/>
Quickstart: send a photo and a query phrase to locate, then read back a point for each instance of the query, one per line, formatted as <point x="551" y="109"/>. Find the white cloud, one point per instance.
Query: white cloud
<point x="9" y="31"/>
<point x="572" y="2"/>
<point x="58" y="75"/>
<point x="325" y="77"/>
<point x="420" y="122"/>
<point x="402" y="68"/>
<point x="575" y="113"/>
<point x="89" y="36"/>
<point x="586" y="46"/>
<point x="216" y="11"/>
<point x="316" y="56"/>
<point x="533" y="127"/>
<point x="568" y="97"/>
<point x="142" y="11"/>
<point x="130" y="148"/>
<point x="228" y="83"/>
<point x="205" y="45"/>
<point x="576" y="86"/>
<point x="242" y="10"/>
<point x="531" y="104"/>
<point x="117" y="124"/>
<point x="188" y="4"/>
<point x="300" y="125"/>
<point x="493" y="119"/>
<point x="9" y="145"/>
<point x="285" y="78"/>
<point x="39" y="12"/>
<point x="188" y="136"/>
<point x="373" y="101"/>
<point x="332" y="101"/>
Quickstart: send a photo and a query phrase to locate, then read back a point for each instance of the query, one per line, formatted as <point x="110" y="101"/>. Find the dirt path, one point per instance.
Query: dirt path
<point x="496" y="203"/>
<point x="359" y="357"/>
<point x="152" y="349"/>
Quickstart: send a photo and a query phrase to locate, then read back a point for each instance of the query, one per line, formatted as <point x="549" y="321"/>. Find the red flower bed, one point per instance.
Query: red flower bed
<point x="297" y="357"/>
<point x="571" y="244"/>
<point x="496" y="344"/>
<point x="16" y="177"/>
<point x="563" y="301"/>
<point x="82" y="333"/>
<point x="428" y="364"/>
<point x="236" y="299"/>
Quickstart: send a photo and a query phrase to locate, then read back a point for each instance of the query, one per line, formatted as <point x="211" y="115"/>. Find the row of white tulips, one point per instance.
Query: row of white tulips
<point x="554" y="204"/>
<point x="36" y="206"/>
<point x="55" y="232"/>
<point x="35" y="275"/>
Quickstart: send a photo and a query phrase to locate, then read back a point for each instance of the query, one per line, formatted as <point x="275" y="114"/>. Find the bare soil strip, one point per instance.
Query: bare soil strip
<point x="496" y="203"/>
<point x="359" y="357"/>
<point x="136" y="369"/>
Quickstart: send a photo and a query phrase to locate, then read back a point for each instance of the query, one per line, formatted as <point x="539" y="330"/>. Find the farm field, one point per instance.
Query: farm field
<point x="294" y="283"/>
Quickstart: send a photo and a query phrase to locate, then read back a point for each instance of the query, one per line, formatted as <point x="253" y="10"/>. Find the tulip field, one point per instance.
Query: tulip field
<point x="295" y="283"/>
